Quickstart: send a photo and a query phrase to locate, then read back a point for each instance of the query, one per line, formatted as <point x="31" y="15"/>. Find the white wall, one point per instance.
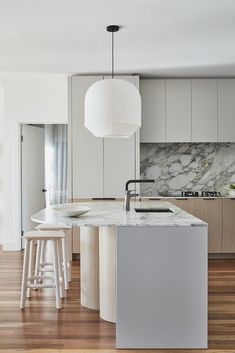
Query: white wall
<point x="1" y="160"/>
<point x="28" y="98"/>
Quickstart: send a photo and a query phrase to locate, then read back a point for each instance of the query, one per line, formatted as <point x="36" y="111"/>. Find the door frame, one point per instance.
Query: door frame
<point x="20" y="204"/>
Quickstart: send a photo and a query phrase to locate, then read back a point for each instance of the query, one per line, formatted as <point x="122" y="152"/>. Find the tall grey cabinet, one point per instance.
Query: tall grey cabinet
<point x="100" y="166"/>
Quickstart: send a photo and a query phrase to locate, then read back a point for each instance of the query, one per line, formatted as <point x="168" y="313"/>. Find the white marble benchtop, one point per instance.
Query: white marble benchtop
<point x="109" y="213"/>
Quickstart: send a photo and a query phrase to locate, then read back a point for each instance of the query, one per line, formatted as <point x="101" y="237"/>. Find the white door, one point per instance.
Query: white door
<point x="33" y="173"/>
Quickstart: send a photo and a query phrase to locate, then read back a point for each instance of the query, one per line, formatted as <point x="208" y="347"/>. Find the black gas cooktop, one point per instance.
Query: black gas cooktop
<point x="201" y="194"/>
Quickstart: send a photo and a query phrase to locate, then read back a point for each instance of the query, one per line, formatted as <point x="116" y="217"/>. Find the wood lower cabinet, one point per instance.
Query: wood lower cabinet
<point x="188" y="205"/>
<point x="228" y="225"/>
<point x="220" y="216"/>
<point x="76" y="240"/>
<point x="211" y="211"/>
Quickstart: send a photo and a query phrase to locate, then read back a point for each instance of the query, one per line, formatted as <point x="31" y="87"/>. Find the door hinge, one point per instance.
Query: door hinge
<point x="22" y="138"/>
<point x="22" y="233"/>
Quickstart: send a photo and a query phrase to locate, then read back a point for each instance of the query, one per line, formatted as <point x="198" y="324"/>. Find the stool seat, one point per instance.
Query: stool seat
<point x="43" y="235"/>
<point x="47" y="226"/>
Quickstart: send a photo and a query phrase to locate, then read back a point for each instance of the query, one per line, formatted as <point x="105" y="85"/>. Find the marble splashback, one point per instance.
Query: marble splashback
<point x="186" y="166"/>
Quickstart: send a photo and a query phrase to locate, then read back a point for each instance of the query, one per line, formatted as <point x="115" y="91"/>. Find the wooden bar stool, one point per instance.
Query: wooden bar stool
<point x="28" y="280"/>
<point x="66" y="251"/>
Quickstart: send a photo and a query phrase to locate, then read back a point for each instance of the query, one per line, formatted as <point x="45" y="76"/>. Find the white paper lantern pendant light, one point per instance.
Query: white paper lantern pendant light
<point x="112" y="106"/>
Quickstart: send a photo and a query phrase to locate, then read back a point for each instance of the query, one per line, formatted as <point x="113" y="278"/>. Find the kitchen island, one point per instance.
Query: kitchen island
<point x="145" y="271"/>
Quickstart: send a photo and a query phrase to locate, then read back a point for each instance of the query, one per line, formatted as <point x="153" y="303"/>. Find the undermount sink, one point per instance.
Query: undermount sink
<point x="154" y="209"/>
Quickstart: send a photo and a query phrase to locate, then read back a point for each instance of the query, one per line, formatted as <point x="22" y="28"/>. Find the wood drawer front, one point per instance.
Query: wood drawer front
<point x="210" y="211"/>
<point x="188" y="205"/>
<point x="229" y="226"/>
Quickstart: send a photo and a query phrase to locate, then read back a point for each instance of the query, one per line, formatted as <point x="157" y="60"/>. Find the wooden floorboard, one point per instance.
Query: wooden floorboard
<point x="74" y="328"/>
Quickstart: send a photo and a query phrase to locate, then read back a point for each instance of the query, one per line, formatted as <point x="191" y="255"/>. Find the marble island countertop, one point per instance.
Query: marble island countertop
<point x="107" y="213"/>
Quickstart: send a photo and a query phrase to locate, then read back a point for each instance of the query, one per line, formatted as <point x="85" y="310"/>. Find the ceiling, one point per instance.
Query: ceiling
<point x="170" y="38"/>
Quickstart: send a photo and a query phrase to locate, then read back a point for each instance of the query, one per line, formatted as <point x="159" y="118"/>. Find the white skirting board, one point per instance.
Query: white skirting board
<point x="11" y="245"/>
<point x="162" y="287"/>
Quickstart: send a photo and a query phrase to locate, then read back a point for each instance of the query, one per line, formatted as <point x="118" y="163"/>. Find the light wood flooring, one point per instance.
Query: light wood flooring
<point x="41" y="326"/>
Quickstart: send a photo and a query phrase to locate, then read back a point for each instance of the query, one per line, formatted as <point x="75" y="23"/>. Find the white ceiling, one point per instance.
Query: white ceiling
<point x="159" y="37"/>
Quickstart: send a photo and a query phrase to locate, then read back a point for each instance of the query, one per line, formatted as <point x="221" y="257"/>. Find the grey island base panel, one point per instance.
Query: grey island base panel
<point x="162" y="287"/>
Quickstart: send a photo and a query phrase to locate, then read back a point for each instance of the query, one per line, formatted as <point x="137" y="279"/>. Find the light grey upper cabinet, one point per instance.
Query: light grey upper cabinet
<point x="87" y="150"/>
<point x="226" y="110"/>
<point x="204" y="110"/>
<point x="178" y="111"/>
<point x="153" y="95"/>
<point x="120" y="158"/>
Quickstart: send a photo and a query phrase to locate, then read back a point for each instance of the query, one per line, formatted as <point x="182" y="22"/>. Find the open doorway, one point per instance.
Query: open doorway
<point x="44" y="169"/>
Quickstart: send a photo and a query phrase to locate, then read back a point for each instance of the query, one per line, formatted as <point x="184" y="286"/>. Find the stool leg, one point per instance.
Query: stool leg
<point x="69" y="272"/>
<point x="65" y="262"/>
<point x="56" y="274"/>
<point x="37" y="262"/>
<point x="60" y="267"/>
<point x="24" y="275"/>
<point x="42" y="255"/>
<point x="30" y="271"/>
<point x="69" y="252"/>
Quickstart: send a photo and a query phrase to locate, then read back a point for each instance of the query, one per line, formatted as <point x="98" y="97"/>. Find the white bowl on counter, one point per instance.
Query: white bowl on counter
<point x="74" y="210"/>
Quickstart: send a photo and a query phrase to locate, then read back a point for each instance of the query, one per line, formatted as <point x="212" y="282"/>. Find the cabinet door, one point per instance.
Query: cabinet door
<point x="188" y="205"/>
<point x="210" y="211"/>
<point x="76" y="240"/>
<point x="178" y="111"/>
<point x="226" y="110"/>
<point x="204" y="110"/>
<point x="228" y="225"/>
<point x="87" y="150"/>
<point x="153" y="95"/>
<point x="119" y="159"/>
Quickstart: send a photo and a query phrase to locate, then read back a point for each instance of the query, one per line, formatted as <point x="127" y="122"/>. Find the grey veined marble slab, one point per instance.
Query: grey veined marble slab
<point x="187" y="166"/>
<point x="112" y="214"/>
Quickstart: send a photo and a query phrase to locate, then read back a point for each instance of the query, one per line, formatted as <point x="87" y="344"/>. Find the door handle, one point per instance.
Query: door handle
<point x="44" y="190"/>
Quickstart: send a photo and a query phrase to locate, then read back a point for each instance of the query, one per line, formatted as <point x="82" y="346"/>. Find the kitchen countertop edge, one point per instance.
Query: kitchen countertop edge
<point x="112" y="214"/>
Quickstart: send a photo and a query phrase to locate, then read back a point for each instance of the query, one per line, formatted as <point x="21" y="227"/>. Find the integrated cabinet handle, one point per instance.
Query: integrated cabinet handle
<point x="103" y="198"/>
<point x="182" y="198"/>
<point x="154" y="198"/>
<point x="208" y="198"/>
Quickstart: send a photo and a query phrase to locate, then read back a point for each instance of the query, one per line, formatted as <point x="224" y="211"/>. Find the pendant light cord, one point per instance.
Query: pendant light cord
<point x="112" y="29"/>
<point x="112" y="55"/>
